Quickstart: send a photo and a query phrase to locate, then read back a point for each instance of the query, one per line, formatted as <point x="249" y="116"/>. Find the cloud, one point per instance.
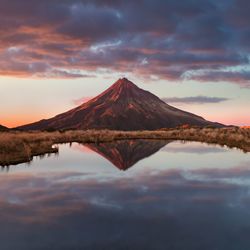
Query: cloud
<point x="195" y="99"/>
<point x="241" y="77"/>
<point x="82" y="100"/>
<point x="78" y="38"/>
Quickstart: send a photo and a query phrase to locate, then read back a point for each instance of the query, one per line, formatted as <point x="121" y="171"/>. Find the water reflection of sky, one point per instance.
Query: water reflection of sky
<point x="186" y="196"/>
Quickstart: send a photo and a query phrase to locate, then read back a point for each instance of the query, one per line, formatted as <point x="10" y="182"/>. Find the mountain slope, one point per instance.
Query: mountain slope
<point x="123" y="106"/>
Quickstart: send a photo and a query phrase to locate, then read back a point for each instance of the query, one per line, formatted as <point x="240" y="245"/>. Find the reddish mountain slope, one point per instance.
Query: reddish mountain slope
<point x="124" y="154"/>
<point x="123" y="106"/>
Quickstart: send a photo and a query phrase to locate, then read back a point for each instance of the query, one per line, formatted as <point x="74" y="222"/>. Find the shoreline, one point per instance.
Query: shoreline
<point x="19" y="147"/>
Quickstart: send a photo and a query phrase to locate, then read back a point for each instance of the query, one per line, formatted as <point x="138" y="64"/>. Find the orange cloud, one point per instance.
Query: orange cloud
<point x="82" y="100"/>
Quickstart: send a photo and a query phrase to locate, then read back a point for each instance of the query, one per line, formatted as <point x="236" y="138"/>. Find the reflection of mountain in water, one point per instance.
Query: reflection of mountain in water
<point x="125" y="153"/>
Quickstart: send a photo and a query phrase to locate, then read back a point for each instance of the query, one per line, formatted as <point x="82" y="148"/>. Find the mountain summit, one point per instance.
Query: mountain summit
<point x="123" y="106"/>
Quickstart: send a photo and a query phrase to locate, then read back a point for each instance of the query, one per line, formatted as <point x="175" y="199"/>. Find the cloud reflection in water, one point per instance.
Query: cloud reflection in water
<point x="152" y="208"/>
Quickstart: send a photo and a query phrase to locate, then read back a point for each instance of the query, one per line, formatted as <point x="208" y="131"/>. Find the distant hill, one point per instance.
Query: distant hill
<point x="123" y="106"/>
<point x="3" y="128"/>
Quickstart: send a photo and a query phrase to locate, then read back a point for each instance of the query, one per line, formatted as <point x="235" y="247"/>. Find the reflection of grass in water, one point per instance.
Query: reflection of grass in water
<point x="17" y="147"/>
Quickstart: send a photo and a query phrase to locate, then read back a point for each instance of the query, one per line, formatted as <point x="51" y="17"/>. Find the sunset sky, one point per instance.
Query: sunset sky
<point x="55" y="54"/>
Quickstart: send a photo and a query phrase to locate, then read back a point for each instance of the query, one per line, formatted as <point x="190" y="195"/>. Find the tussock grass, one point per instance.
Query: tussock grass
<point x="17" y="147"/>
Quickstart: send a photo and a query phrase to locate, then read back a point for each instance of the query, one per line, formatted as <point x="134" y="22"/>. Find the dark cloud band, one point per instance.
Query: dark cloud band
<point x="166" y="39"/>
<point x="194" y="99"/>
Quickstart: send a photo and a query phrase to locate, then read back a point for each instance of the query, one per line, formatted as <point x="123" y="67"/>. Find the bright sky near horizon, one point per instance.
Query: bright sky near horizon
<point x="192" y="54"/>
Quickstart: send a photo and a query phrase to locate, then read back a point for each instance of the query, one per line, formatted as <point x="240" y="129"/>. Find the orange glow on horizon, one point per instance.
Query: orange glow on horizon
<point x="16" y="121"/>
<point x="230" y="120"/>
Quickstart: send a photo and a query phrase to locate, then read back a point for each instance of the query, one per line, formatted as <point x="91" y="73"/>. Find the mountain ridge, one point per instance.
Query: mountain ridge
<point x="123" y="106"/>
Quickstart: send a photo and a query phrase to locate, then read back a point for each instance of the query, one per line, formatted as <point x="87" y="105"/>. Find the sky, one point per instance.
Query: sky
<point x="55" y="54"/>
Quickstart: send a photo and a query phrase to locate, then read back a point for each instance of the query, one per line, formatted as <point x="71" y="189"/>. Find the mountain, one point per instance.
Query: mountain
<point x="125" y="153"/>
<point x="3" y="128"/>
<point x="123" y="106"/>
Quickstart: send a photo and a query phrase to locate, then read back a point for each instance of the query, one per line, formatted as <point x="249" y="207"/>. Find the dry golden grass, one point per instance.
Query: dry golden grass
<point x="17" y="147"/>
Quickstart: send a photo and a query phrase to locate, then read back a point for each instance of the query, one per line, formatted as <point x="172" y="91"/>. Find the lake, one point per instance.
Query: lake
<point x="137" y="194"/>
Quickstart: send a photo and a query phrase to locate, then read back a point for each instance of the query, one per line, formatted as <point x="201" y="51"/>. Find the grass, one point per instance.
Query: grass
<point x="17" y="147"/>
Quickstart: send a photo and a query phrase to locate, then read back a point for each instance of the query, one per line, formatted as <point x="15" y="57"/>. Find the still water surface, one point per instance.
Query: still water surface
<point x="128" y="195"/>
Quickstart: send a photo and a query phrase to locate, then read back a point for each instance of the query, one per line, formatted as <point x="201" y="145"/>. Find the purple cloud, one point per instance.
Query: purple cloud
<point x="166" y="39"/>
<point x="194" y="99"/>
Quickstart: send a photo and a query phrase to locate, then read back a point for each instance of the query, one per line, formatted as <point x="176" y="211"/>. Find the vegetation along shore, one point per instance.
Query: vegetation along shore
<point x="18" y="147"/>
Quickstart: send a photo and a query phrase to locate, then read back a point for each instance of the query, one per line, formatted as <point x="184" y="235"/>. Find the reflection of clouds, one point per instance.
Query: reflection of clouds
<point x="239" y="175"/>
<point x="84" y="208"/>
<point x="87" y="211"/>
<point x="193" y="148"/>
<point x="68" y="187"/>
<point x="101" y="201"/>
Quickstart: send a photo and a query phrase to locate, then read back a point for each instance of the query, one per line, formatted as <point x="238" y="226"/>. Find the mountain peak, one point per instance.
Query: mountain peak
<point x="123" y="83"/>
<point x="123" y="106"/>
<point x="122" y="89"/>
